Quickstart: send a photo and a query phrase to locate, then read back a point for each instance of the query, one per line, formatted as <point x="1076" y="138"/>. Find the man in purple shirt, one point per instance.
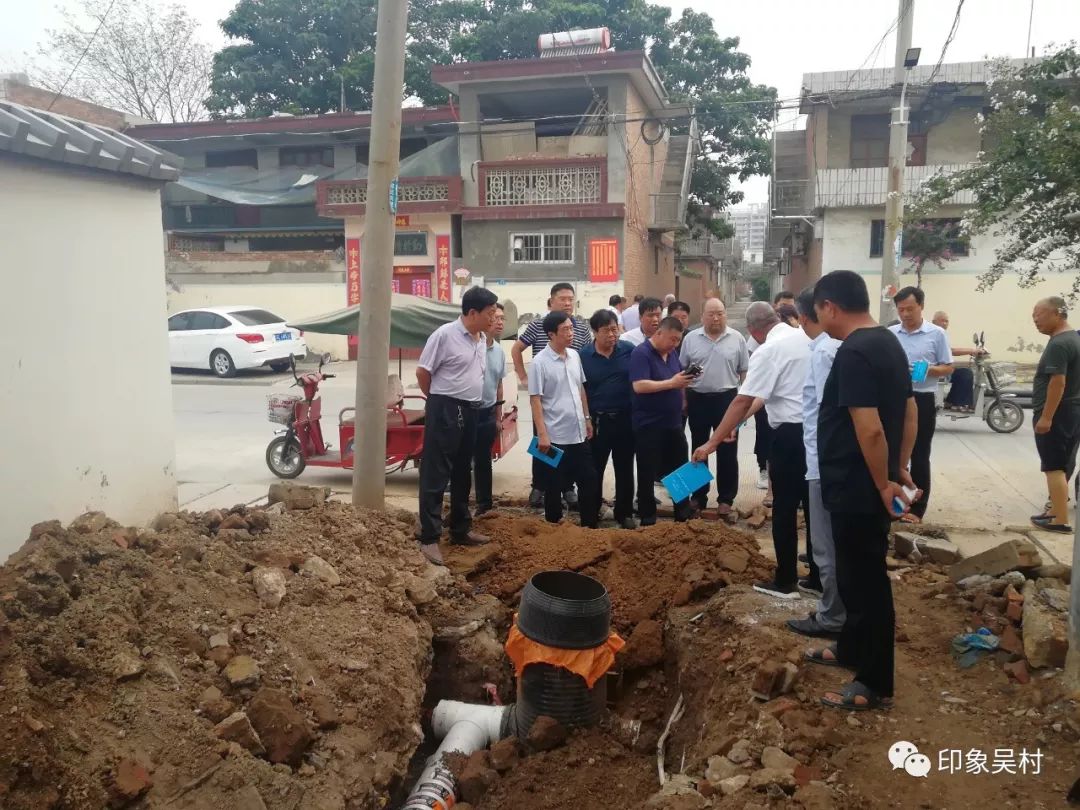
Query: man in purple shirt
<point x="451" y="375"/>
<point x="659" y="383"/>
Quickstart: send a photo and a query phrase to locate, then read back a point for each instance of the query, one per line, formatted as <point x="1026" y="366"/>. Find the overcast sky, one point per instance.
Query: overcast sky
<point x="784" y="38"/>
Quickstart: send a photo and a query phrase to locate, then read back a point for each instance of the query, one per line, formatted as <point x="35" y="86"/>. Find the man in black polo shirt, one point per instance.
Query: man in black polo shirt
<point x="866" y="430"/>
<point x="606" y="362"/>
<point x="659" y="439"/>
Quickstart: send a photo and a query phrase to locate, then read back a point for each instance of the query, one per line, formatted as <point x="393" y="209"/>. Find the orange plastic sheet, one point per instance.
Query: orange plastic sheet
<point x="591" y="665"/>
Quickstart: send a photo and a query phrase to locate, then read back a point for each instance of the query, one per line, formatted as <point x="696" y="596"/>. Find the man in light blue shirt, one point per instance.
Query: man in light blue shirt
<point x="489" y="419"/>
<point x="923" y="342"/>
<point x="828" y="620"/>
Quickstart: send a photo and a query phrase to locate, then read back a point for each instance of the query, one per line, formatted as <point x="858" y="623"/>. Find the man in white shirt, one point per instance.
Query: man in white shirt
<point x="631" y="317"/>
<point x="777" y="373"/>
<point x="720" y="354"/>
<point x="828" y="620"/>
<point x="560" y="411"/>
<point x="650" y="311"/>
<point x="489" y="419"/>
<point x="451" y="375"/>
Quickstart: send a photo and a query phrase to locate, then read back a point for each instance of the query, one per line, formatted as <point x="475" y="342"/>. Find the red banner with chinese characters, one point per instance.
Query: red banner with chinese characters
<point x="352" y="271"/>
<point x="401" y="221"/>
<point x="603" y="260"/>
<point x="442" y="267"/>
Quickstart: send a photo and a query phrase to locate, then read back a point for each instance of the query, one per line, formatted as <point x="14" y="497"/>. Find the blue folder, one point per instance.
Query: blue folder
<point x="686" y="480"/>
<point x="552" y="460"/>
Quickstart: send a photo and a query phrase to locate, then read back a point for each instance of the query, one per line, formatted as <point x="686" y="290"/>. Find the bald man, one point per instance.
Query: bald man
<point x="962" y="384"/>
<point x="1055" y="400"/>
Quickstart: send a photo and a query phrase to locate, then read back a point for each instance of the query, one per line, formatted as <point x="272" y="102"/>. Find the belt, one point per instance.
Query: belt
<point x="709" y="393"/>
<point x="461" y="403"/>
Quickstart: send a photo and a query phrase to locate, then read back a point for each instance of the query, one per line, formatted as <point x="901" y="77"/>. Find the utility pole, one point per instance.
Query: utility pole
<point x="373" y="351"/>
<point x="898" y="141"/>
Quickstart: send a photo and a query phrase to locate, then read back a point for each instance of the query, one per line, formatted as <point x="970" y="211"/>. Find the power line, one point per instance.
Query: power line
<point x="948" y="42"/>
<point x="86" y="50"/>
<point x="877" y="47"/>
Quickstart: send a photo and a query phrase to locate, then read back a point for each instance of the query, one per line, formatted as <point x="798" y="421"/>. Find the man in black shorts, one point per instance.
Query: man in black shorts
<point x="866" y="431"/>
<point x="1055" y="400"/>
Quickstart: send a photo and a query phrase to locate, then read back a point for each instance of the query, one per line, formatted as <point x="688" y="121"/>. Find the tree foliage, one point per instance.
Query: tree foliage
<point x="291" y="57"/>
<point x="1027" y="179"/>
<point x="137" y="56"/>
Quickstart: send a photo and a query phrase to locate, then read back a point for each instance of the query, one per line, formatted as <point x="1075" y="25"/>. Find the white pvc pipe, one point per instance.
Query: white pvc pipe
<point x="464" y="728"/>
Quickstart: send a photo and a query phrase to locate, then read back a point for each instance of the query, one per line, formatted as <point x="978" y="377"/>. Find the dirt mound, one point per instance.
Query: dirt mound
<point x="242" y="659"/>
<point x="645" y="571"/>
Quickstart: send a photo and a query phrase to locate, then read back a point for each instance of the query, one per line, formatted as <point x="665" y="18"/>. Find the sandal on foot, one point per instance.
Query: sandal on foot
<point x="908" y="517"/>
<point x="849" y="699"/>
<point x="817" y="656"/>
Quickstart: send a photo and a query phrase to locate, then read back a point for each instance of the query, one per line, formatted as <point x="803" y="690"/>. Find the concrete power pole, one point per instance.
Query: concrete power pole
<point x="898" y="139"/>
<point x="373" y="351"/>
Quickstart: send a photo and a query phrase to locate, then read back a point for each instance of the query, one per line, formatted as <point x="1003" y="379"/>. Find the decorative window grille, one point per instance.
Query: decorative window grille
<point x="542" y="185"/>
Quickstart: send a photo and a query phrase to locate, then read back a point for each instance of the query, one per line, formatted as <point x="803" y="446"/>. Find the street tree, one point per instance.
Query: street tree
<point x="1027" y="180"/>
<point x="138" y="56"/>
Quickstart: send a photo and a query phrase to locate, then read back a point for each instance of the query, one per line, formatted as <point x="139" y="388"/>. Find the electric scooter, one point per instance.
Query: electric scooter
<point x="993" y="403"/>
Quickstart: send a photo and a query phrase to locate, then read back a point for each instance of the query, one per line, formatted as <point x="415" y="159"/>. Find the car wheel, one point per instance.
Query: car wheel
<point x="222" y="364"/>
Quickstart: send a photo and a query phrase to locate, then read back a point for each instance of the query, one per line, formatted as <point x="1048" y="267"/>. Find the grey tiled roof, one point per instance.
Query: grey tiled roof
<point x="47" y="136"/>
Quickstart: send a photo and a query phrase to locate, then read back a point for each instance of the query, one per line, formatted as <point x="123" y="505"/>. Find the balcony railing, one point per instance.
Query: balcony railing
<point x="559" y="182"/>
<point x="707" y="247"/>
<point x="415" y="195"/>
<point x="792" y="197"/>
<point x="856" y="188"/>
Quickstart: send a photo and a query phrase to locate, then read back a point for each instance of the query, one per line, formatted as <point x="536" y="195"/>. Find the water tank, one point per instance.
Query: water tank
<point x="588" y="40"/>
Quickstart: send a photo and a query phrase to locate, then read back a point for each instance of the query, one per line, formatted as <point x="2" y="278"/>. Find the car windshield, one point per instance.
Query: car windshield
<point x="256" y="317"/>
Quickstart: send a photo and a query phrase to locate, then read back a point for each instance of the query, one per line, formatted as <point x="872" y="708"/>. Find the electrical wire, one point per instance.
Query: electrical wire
<point x="877" y="47"/>
<point x="948" y="42"/>
<point x="78" y="62"/>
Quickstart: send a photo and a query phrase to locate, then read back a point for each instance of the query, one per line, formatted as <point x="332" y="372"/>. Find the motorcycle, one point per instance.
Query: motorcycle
<point x="993" y="403"/>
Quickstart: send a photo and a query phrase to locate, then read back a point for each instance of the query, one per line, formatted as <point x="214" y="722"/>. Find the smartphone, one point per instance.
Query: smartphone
<point x="693" y="370"/>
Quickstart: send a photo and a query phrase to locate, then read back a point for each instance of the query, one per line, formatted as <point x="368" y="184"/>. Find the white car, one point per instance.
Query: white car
<point x="228" y="339"/>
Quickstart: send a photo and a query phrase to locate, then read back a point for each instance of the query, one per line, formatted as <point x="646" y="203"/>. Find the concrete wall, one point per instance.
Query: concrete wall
<point x="954" y="140"/>
<point x="1003" y="313"/>
<point x="258" y="262"/>
<point x="84" y="380"/>
<point x="487" y="248"/>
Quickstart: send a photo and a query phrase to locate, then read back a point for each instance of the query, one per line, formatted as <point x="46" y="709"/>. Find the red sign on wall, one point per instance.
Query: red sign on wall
<point x="603" y="260"/>
<point x="442" y="267"/>
<point x="352" y="271"/>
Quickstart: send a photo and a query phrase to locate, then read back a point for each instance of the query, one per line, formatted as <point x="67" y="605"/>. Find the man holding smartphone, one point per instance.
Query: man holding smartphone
<point x="560" y="411"/>
<point x="721" y="358"/>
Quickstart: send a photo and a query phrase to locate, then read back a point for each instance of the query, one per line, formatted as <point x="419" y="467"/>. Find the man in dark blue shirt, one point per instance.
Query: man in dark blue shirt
<point x="659" y="439"/>
<point x="606" y="363"/>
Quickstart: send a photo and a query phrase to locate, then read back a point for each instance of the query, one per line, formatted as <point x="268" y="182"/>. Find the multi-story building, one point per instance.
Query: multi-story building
<point x="571" y="166"/>
<point x="830" y="184"/>
<point x="751" y="224"/>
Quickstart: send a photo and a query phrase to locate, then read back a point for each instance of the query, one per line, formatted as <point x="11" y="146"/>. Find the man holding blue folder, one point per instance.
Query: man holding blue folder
<point x="560" y="411"/>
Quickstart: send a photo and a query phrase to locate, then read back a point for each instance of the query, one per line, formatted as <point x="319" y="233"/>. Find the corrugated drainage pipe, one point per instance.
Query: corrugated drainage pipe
<point x="465" y="728"/>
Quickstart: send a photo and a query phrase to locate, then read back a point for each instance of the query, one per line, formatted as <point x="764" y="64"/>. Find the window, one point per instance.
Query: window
<point x="410" y="244"/>
<point x="869" y="141"/>
<point x="181" y="322"/>
<point x="958" y="245"/>
<point x="306" y="156"/>
<point x="232" y="157"/>
<point x="207" y="320"/>
<point x="537" y="248"/>
<point x="256" y="317"/>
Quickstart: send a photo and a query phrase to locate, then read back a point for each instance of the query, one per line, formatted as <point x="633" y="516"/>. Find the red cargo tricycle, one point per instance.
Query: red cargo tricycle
<point x="300" y="443"/>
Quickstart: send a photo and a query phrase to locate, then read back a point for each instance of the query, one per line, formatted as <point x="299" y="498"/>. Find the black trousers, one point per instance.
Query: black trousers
<point x="449" y="444"/>
<point x="486" y="429"/>
<point x="920" y="454"/>
<point x="576" y="467"/>
<point x="539" y="476"/>
<point x="866" y="641"/>
<point x="787" y="467"/>
<point x="613" y="437"/>
<point x="706" y="411"/>
<point x="762" y="438"/>
<point x="962" y="390"/>
<point x="658" y="452"/>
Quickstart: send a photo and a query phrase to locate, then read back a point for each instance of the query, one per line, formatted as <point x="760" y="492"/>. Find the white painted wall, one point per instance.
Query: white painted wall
<point x="1003" y="313"/>
<point x="292" y="301"/>
<point x="84" y="375"/>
